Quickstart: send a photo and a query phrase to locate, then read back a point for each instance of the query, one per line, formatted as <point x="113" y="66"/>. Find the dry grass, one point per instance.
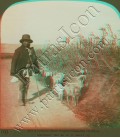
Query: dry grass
<point x="99" y="107"/>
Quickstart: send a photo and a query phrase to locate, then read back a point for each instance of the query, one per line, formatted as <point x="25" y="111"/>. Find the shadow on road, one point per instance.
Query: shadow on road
<point x="38" y="94"/>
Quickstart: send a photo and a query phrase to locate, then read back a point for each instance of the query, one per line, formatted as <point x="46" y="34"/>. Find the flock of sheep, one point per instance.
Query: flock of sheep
<point x="61" y="87"/>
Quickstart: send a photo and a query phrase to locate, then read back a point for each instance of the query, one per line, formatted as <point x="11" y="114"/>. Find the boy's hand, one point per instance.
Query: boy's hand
<point x="28" y="65"/>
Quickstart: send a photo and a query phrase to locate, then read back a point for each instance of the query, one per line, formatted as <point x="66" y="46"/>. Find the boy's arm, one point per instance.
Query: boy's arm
<point x="14" y="63"/>
<point x="36" y="62"/>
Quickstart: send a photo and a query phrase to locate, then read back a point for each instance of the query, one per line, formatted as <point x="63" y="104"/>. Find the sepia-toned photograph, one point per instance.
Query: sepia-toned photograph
<point x="60" y="66"/>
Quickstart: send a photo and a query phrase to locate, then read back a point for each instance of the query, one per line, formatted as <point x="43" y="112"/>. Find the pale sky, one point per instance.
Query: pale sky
<point x="42" y="20"/>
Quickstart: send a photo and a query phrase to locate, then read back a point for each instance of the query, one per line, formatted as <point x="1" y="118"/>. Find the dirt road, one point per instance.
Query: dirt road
<point x="56" y="116"/>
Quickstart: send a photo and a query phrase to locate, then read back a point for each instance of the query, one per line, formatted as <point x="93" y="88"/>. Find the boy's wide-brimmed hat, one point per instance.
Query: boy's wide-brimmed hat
<point x="26" y="37"/>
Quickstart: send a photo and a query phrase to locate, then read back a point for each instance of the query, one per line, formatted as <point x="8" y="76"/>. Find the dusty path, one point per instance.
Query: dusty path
<point x="56" y="116"/>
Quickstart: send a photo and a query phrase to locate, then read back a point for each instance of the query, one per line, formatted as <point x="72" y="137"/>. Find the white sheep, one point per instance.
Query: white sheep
<point x="58" y="78"/>
<point x="57" y="85"/>
<point x="59" y="89"/>
<point x="74" y="89"/>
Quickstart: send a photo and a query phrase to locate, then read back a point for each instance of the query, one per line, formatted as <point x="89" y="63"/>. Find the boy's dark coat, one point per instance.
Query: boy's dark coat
<point x="21" y="59"/>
